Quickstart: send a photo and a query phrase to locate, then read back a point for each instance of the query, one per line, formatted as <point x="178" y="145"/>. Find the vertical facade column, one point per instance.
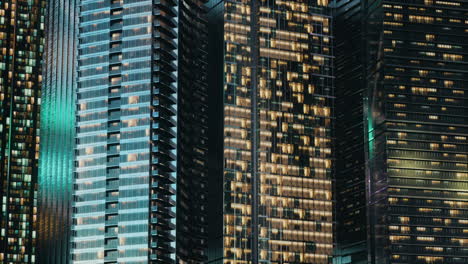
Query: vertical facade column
<point x="278" y="107"/>
<point x="21" y="50"/>
<point x="56" y="159"/>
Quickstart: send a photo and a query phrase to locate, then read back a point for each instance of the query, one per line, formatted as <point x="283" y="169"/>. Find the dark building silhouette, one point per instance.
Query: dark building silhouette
<point x="351" y="205"/>
<point x="192" y="192"/>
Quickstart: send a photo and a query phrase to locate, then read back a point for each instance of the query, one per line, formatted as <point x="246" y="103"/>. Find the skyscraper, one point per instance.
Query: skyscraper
<point x="140" y="133"/>
<point x="21" y="48"/>
<point x="125" y="177"/>
<point x="351" y="212"/>
<point x="276" y="189"/>
<point x="192" y="148"/>
<point x="414" y="114"/>
<point x="56" y="159"/>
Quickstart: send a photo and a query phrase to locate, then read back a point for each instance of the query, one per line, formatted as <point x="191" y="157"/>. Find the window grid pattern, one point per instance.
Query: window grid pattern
<point x="21" y="49"/>
<point x="418" y="132"/>
<point x="124" y="198"/>
<point x="278" y="98"/>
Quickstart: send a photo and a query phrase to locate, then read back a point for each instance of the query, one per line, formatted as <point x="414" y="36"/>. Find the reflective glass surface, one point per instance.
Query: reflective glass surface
<point x="417" y="131"/>
<point x="414" y="110"/>
<point x="278" y="97"/>
<point x="124" y="197"/>
<point x="56" y="157"/>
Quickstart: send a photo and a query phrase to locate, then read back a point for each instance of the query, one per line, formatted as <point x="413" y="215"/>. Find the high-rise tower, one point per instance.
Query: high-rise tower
<point x="351" y="213"/>
<point x="21" y="48"/>
<point x="277" y="154"/>
<point x="413" y="112"/>
<point x="126" y="132"/>
<point x="192" y="148"/>
<point x="140" y="132"/>
<point x="56" y="159"/>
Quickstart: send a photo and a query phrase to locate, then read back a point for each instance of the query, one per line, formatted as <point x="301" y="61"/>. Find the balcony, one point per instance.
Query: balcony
<point x="115" y="59"/>
<point x="111" y="233"/>
<point x="112" y="222"/>
<point x="113" y="162"/>
<point x="162" y="175"/>
<point x="113" y="185"/>
<point x="113" y="140"/>
<point x="111" y="256"/>
<point x="114" y="93"/>
<point x="112" y="199"/>
<point x="113" y="129"/>
<point x="163" y="211"/>
<point x="111" y="244"/>
<point x="112" y="210"/>
<point x="114" y="115"/>
<point x="165" y="188"/>
<point x="114" y="104"/>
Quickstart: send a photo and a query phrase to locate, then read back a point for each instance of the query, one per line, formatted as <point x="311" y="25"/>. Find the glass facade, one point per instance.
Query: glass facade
<point x="141" y="133"/>
<point x="56" y="159"/>
<point x="21" y="48"/>
<point x="125" y="179"/>
<point x="351" y="213"/>
<point x="192" y="148"/>
<point x="278" y="98"/>
<point x="415" y="116"/>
